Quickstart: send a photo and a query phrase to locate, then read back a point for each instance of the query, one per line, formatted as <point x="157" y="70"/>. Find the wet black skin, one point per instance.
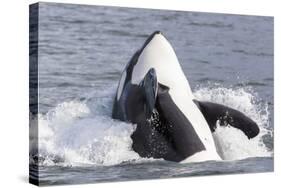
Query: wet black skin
<point x="227" y="116"/>
<point x="162" y="130"/>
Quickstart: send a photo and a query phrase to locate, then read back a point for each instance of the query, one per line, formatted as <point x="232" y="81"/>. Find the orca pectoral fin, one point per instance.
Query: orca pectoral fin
<point x="149" y="87"/>
<point x="227" y="116"/>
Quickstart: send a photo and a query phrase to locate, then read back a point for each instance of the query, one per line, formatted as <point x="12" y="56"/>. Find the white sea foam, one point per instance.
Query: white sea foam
<point x="83" y="132"/>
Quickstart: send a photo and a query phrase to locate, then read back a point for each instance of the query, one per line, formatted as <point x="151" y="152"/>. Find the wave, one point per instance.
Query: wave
<point x="82" y="132"/>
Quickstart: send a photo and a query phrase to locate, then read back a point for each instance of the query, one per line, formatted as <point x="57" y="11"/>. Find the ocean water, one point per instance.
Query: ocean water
<point x="82" y="51"/>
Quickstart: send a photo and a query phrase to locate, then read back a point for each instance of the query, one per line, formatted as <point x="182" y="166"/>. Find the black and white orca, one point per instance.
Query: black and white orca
<point x="154" y="94"/>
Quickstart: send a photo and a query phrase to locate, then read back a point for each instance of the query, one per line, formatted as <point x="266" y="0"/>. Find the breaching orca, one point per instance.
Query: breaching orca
<point x="154" y="94"/>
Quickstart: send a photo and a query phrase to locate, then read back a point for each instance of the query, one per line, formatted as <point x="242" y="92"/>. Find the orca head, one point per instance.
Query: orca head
<point x="157" y="53"/>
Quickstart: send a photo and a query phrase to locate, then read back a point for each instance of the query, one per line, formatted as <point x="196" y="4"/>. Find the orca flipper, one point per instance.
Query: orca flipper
<point x="227" y="116"/>
<point x="149" y="87"/>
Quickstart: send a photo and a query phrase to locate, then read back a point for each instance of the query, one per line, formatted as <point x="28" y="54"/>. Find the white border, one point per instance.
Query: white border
<point x="14" y="89"/>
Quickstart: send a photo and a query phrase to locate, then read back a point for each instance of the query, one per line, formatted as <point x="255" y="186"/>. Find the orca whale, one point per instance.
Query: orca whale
<point x="154" y="94"/>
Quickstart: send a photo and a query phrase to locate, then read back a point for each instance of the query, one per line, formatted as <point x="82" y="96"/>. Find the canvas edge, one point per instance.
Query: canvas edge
<point x="33" y="91"/>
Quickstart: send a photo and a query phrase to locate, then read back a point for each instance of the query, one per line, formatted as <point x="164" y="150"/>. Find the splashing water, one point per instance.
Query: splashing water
<point x="73" y="135"/>
<point x="231" y="143"/>
<point x="83" y="132"/>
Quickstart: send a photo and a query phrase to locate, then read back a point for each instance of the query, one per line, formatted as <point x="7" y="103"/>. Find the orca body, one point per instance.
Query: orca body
<point x="154" y="94"/>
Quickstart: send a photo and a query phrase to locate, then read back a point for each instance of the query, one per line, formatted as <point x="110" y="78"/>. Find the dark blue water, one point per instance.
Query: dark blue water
<point x="84" y="49"/>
